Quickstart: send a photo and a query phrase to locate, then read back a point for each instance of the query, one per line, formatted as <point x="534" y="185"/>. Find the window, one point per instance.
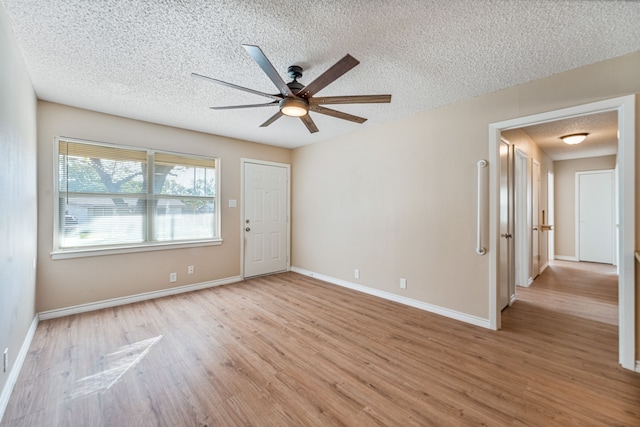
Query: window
<point x="110" y="196"/>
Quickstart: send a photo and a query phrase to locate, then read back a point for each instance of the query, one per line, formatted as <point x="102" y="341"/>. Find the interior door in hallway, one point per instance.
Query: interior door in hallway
<point x="521" y="215"/>
<point x="535" y="219"/>
<point x="595" y="216"/>
<point x="507" y="260"/>
<point x="265" y="221"/>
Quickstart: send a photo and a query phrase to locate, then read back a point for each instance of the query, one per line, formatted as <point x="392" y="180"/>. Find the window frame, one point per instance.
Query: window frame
<point x="147" y="245"/>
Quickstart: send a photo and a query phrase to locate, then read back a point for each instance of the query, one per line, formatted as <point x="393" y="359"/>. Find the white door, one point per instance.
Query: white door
<point x="265" y="221"/>
<point x="521" y="235"/>
<point x="595" y="216"/>
<point x="507" y="282"/>
<point x="535" y="219"/>
<point x="551" y="242"/>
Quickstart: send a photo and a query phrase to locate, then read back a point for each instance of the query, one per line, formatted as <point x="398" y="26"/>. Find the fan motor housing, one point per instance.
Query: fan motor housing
<point x="294" y="71"/>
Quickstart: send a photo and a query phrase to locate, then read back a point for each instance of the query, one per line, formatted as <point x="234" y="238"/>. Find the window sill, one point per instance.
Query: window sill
<point x="89" y="252"/>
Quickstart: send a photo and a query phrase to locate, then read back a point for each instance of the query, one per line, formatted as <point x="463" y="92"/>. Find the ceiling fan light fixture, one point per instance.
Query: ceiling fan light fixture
<point x="295" y="99"/>
<point x="294" y="107"/>
<point x="574" y="138"/>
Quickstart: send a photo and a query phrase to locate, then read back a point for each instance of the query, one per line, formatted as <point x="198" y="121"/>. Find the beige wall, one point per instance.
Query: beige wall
<point x="565" y="178"/>
<point x="522" y="141"/>
<point x="399" y="200"/>
<point x="68" y="282"/>
<point x="18" y="223"/>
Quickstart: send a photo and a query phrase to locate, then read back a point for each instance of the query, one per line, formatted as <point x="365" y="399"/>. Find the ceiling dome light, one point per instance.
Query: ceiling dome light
<point x="574" y="138"/>
<point x="294" y="107"/>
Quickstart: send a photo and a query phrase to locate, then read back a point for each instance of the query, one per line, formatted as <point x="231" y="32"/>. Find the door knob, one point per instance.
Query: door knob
<point x="247" y="229"/>
<point x="535" y="228"/>
<point x="506" y="235"/>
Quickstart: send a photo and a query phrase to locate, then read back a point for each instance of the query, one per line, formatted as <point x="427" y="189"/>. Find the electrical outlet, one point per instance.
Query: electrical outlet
<point x="173" y="277"/>
<point x="356" y="274"/>
<point x="403" y="283"/>
<point x="6" y="360"/>
<point x="190" y="269"/>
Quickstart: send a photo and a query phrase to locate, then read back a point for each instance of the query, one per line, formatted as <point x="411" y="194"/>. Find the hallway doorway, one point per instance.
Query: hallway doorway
<point x="625" y="108"/>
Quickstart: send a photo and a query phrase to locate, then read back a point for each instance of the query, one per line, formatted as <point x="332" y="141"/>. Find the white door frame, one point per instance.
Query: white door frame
<point x="625" y="107"/>
<point x="616" y="205"/>
<point x="522" y="218"/>
<point x="507" y="288"/>
<point x="243" y="162"/>
<point x="551" y="203"/>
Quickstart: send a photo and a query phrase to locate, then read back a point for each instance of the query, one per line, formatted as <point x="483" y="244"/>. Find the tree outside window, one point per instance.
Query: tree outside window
<point x="110" y="195"/>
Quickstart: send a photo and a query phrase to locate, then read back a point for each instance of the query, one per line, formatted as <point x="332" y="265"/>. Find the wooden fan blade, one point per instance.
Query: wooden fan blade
<point x="329" y="76"/>
<point x="264" y="63"/>
<point x="231" y="85"/>
<point x="272" y="119"/>
<point x="355" y="99"/>
<point x="337" y="114"/>
<point x="308" y="122"/>
<point x="232" y="107"/>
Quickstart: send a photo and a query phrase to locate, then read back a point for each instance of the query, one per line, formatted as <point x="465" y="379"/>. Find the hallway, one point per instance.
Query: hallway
<point x="582" y="289"/>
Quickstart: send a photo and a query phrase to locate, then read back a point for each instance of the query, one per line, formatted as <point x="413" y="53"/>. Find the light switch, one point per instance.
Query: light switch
<point x="232" y="203"/>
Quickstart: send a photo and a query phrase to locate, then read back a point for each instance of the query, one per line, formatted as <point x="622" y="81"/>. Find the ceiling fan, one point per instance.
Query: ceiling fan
<point x="296" y="99"/>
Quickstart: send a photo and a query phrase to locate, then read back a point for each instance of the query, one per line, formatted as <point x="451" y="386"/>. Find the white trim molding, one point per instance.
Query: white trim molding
<point x="442" y="311"/>
<point x="114" y="302"/>
<point x="544" y="267"/>
<point x="17" y="367"/>
<point x="566" y="258"/>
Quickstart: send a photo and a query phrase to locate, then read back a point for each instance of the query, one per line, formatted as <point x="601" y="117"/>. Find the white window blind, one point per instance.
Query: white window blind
<point x="122" y="196"/>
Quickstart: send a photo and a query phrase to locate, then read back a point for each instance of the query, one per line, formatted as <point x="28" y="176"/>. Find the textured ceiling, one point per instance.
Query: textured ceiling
<point x="601" y="141"/>
<point x="134" y="58"/>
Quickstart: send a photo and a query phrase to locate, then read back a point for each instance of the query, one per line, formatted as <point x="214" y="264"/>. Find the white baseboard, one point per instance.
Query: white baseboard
<point x="544" y="267"/>
<point x="566" y="258"/>
<point x="16" y="367"/>
<point x="637" y="365"/>
<point x="83" y="308"/>
<point x="463" y="317"/>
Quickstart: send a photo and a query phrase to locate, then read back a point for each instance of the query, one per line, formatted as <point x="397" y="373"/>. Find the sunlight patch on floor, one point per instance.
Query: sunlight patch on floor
<point x="117" y="364"/>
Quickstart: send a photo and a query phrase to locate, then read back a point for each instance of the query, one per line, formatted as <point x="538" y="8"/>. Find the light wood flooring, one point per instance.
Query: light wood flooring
<point x="289" y="350"/>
